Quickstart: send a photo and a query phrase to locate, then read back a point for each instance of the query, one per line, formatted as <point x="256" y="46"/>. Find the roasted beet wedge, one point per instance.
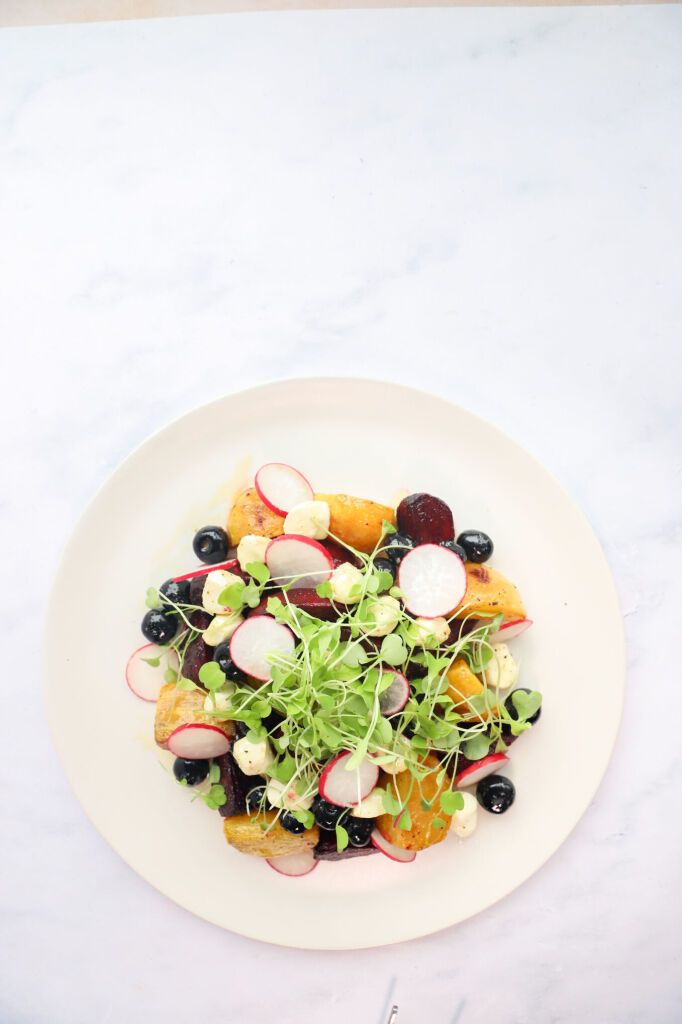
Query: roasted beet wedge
<point x="198" y="652"/>
<point x="426" y="519"/>
<point x="305" y="598"/>
<point x="326" y="848"/>
<point x="338" y="554"/>
<point x="236" y="786"/>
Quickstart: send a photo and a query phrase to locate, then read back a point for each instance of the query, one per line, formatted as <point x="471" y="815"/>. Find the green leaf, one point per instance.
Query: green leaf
<point x="170" y="675"/>
<point x="526" y="704"/>
<point x="214" y="772"/>
<point x="154" y="662"/>
<point x="259" y="571"/>
<point x="251" y="595"/>
<point x="152" y="599"/>
<point x="212" y="676"/>
<point x="372" y="584"/>
<point x="390" y="803"/>
<point x="355" y="655"/>
<point x="393" y="650"/>
<point x="426" y="805"/>
<point x="341" y="838"/>
<point x="306" y="818"/>
<point x="451" y="801"/>
<point x="232" y="596"/>
<point x="405" y="820"/>
<point x="477" y="747"/>
<point x="384" y="581"/>
<point x="324" y="589"/>
<point x="437" y="823"/>
<point x="396" y="592"/>
<point x="387" y="528"/>
<point x="186" y="684"/>
<point x="216" y="797"/>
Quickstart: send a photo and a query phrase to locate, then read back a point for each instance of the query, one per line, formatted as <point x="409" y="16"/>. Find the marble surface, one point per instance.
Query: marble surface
<point x="485" y="203"/>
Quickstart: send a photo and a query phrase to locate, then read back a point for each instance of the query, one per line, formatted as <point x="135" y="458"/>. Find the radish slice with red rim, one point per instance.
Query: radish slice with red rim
<point x="281" y="487"/>
<point x="345" y="788"/>
<point x="508" y="630"/>
<point x="391" y="851"/>
<point x="294" y="865"/>
<point x="472" y="775"/>
<point x="255" y="640"/>
<point x="395" y="696"/>
<point x="146" y="680"/>
<point x="433" y="580"/>
<point x="299" y="561"/>
<point x="204" y="570"/>
<point x="196" y="740"/>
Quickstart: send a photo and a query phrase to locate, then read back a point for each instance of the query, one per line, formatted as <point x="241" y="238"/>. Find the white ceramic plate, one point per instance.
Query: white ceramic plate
<point x="367" y="438"/>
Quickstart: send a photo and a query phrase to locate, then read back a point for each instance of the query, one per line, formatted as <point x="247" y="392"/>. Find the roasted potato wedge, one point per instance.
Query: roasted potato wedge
<point x="356" y="521"/>
<point x="251" y="515"/>
<point x="181" y="707"/>
<point x="489" y="592"/>
<point x="421" y="833"/>
<point x="248" y="837"/>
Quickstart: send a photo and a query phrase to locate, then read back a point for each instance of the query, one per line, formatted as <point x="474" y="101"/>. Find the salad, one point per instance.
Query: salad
<point x="334" y="678"/>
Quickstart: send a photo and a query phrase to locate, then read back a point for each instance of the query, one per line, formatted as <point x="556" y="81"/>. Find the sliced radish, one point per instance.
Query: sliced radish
<point x="345" y="788"/>
<point x="294" y="864"/>
<point x="281" y="487"/>
<point x="196" y="740"/>
<point x="479" y="769"/>
<point x="433" y="580"/>
<point x="257" y="638"/>
<point x="301" y="561"/>
<point x="146" y="680"/>
<point x="508" y="630"/>
<point x="395" y="696"/>
<point x="391" y="851"/>
<point x="203" y="570"/>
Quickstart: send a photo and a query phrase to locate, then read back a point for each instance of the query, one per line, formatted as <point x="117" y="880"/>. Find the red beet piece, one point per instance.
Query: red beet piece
<point x="198" y="652"/>
<point x="236" y="786"/>
<point x="426" y="519"/>
<point x="326" y="848"/>
<point x="305" y="598"/>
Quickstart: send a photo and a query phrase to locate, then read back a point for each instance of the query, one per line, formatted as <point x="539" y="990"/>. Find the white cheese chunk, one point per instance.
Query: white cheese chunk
<point x="430" y="632"/>
<point x="221" y="628"/>
<point x="214" y="585"/>
<point x="253" y="758"/>
<point x="251" y="549"/>
<point x="342" y="581"/>
<point x="502" y="669"/>
<point x="464" y="821"/>
<point x="220" y="700"/>
<point x="309" y="519"/>
<point x="371" y="807"/>
<point x="281" y="795"/>
<point x="384" y="612"/>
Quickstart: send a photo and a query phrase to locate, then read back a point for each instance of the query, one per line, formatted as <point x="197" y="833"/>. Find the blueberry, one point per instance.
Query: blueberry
<point x="290" y="823"/>
<point x="192" y="772"/>
<point x="359" y="830"/>
<point x="211" y="544"/>
<point x="496" y="793"/>
<point x="225" y="663"/>
<point x="255" y="799"/>
<point x="396" y="547"/>
<point x="477" y="545"/>
<point x="326" y="814"/>
<point x="158" y="627"/>
<point x="513" y="713"/>
<point x="452" y="545"/>
<point x="178" y="593"/>
<point x="384" y="565"/>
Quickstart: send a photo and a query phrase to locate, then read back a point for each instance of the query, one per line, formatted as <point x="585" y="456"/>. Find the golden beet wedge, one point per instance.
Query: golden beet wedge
<point x="248" y="837"/>
<point x="182" y="707"/>
<point x="251" y="515"/>
<point x="421" y="833"/>
<point x="356" y="521"/>
<point x="489" y="592"/>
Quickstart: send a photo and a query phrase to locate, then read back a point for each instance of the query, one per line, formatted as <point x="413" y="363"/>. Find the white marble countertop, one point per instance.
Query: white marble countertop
<point x="484" y="203"/>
